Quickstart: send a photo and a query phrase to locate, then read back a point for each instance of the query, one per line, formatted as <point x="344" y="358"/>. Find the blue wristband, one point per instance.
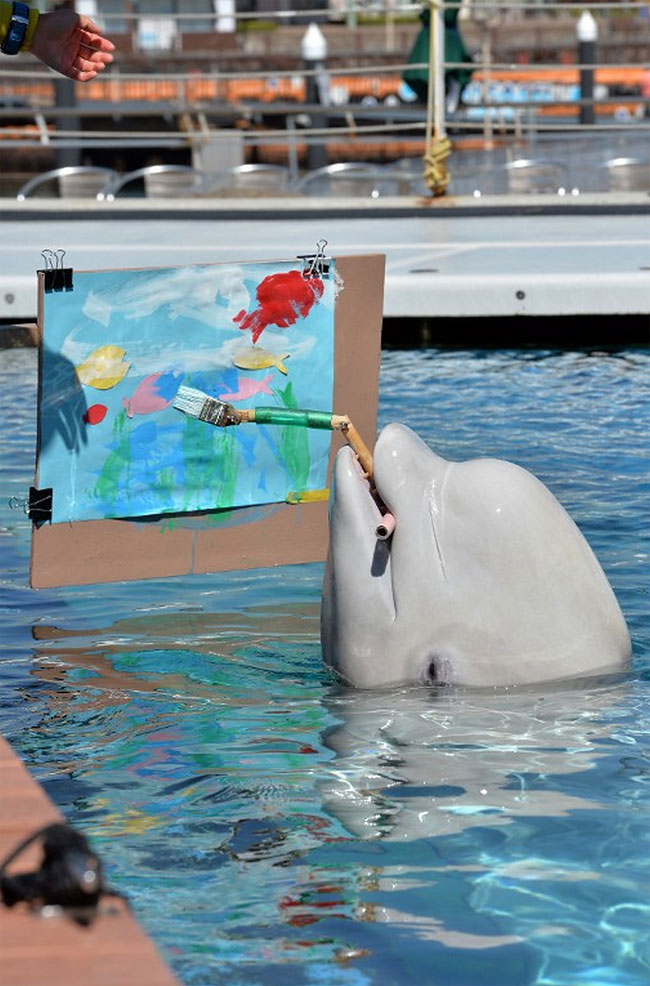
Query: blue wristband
<point x="17" y="30"/>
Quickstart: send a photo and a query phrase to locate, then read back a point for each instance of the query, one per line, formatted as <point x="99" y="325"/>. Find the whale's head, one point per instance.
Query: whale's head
<point x="486" y="580"/>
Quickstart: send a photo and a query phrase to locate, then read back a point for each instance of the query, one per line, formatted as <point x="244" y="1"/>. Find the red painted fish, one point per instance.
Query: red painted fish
<point x="281" y="300"/>
<point x="95" y="413"/>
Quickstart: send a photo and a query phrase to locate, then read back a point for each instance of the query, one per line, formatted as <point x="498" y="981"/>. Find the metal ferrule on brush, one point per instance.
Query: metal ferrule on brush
<point x="218" y="413"/>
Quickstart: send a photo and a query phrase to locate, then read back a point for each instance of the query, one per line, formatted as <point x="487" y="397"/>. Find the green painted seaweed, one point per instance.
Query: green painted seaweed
<point x="211" y="462"/>
<point x="116" y="465"/>
<point x="293" y="444"/>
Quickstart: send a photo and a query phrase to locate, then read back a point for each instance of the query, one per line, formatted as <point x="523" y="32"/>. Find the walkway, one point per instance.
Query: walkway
<point x="533" y="256"/>
<point x="55" y="951"/>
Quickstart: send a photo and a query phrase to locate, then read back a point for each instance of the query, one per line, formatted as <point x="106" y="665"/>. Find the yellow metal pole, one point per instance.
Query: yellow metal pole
<point x="438" y="145"/>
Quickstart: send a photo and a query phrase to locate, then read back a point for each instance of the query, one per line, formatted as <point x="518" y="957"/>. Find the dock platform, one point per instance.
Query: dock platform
<point x="537" y="256"/>
<point x="55" y="951"/>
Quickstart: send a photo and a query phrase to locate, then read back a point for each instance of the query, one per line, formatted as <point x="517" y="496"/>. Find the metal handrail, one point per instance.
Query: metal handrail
<point x="193" y="180"/>
<point x="107" y="175"/>
<point x="357" y="8"/>
<point x="333" y="72"/>
<point x="397" y="124"/>
<point x="124" y="139"/>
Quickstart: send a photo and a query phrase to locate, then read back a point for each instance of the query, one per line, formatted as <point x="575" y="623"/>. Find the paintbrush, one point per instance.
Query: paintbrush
<point x="198" y="405"/>
<point x="201" y="406"/>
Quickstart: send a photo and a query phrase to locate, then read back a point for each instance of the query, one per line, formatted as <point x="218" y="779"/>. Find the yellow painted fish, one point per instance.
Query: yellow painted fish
<point x="104" y="368"/>
<point x="256" y="358"/>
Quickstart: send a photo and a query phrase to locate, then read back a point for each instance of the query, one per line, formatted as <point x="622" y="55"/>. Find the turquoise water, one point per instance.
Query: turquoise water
<point x="271" y="827"/>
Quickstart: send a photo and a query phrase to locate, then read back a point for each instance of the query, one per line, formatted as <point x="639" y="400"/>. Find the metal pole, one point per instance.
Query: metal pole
<point x="486" y="58"/>
<point x="431" y="79"/>
<point x="292" y="151"/>
<point x="587" y="32"/>
<point x="438" y="53"/>
<point x="65" y="97"/>
<point x="586" y="56"/>
<point x="314" y="52"/>
<point x="390" y="27"/>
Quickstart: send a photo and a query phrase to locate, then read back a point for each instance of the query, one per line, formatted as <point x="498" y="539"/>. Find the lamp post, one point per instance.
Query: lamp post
<point x="587" y="34"/>
<point x="313" y="48"/>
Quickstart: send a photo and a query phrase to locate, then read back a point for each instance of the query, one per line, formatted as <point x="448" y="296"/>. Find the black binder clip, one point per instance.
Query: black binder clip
<point x="39" y="506"/>
<point x="316" y="264"/>
<point x="56" y="276"/>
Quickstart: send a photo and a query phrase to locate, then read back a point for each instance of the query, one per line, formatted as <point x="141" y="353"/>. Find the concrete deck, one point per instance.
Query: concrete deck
<point x="55" y="951"/>
<point x="448" y="258"/>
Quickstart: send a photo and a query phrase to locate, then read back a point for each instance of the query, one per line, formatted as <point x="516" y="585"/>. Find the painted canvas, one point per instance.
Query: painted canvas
<point x="117" y="348"/>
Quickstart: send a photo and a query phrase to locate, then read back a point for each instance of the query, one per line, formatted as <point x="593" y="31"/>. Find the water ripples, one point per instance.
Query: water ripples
<point x="267" y="823"/>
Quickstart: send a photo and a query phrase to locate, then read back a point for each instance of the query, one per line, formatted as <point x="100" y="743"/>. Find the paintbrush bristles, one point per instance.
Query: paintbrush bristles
<point x="198" y="405"/>
<point x="189" y="401"/>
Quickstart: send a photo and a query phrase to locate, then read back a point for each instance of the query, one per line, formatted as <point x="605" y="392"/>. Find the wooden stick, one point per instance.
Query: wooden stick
<point x="355" y="441"/>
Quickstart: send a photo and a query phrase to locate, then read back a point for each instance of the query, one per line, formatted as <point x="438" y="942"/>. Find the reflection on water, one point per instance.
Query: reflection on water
<point x="421" y="764"/>
<point x="260" y="817"/>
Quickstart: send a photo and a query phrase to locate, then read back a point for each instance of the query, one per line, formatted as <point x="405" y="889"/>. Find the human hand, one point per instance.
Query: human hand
<point x="71" y="44"/>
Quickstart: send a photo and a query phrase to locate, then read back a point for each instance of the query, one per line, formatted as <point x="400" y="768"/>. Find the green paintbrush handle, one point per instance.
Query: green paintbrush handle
<point x="289" y="416"/>
<point x="313" y="419"/>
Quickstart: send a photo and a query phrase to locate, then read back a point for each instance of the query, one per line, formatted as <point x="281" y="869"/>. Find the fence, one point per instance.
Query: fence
<point x="525" y="109"/>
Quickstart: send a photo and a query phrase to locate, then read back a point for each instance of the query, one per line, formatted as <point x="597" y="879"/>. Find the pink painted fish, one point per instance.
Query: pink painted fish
<point x="154" y="393"/>
<point x="246" y="387"/>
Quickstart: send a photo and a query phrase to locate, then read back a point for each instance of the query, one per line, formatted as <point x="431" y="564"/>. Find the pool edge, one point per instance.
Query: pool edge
<point x="56" y="951"/>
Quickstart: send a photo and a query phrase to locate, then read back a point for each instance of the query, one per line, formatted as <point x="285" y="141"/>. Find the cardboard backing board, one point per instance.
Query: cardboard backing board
<point x="85" y="552"/>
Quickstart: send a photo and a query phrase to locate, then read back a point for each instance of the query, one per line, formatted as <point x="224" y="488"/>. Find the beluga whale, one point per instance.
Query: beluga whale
<point x="486" y="580"/>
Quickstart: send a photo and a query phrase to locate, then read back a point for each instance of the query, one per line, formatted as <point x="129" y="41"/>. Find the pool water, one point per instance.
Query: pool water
<point x="272" y="827"/>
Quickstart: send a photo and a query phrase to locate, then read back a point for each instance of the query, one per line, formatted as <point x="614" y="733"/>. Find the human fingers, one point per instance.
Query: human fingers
<point x="95" y="59"/>
<point x="83" y="70"/>
<point x="79" y="76"/>
<point x="91" y="36"/>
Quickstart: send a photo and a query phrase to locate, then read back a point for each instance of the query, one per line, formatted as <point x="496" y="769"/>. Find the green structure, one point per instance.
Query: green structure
<point x="455" y="51"/>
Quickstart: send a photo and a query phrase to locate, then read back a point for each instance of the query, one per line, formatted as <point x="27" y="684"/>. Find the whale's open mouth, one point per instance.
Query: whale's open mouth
<point x="358" y="475"/>
<point x="354" y="486"/>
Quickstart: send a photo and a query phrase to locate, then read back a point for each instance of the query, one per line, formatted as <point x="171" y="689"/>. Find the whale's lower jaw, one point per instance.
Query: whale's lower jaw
<point x="486" y="580"/>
